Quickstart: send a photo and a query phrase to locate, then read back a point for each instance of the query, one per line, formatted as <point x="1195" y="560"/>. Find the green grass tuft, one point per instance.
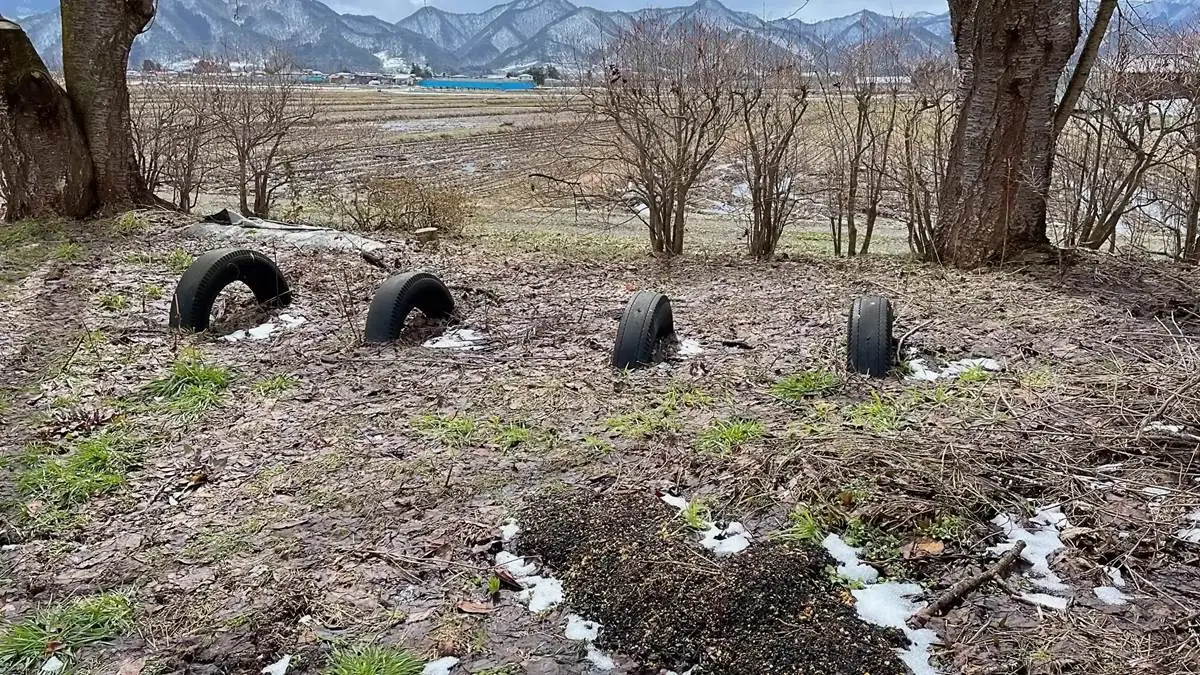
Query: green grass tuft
<point x="508" y="435"/>
<point x="724" y="436"/>
<point x="68" y="250"/>
<point x="806" y="527"/>
<point x="373" y="660"/>
<point x="679" y="396"/>
<point x="878" y="414"/>
<point x="696" y="514"/>
<point x="113" y="302"/>
<point x="795" y="388"/>
<point x="153" y="292"/>
<point x="128" y="223"/>
<point x="274" y="386"/>
<point x="975" y="374"/>
<point x="192" y="386"/>
<point x="50" y="483"/>
<point x="642" y="424"/>
<point x="61" y="630"/>
<point x="453" y="430"/>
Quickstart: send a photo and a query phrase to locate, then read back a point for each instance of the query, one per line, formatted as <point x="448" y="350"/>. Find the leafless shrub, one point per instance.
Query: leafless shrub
<point x="173" y="129"/>
<point x="654" y="120"/>
<point x="860" y="95"/>
<point x="395" y="204"/>
<point x="1119" y="138"/>
<point x="927" y="118"/>
<point x="769" y="103"/>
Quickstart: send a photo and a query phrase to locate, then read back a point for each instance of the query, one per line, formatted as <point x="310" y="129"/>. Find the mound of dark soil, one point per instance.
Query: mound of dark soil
<point x="628" y="562"/>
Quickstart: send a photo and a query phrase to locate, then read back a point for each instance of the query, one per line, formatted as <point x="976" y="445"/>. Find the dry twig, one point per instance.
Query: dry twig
<point x="956" y="593"/>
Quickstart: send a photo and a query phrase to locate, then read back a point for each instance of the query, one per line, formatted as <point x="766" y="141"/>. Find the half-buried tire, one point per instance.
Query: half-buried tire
<point x="869" y="344"/>
<point x="398" y="296"/>
<point x="646" y="321"/>
<point x="212" y="272"/>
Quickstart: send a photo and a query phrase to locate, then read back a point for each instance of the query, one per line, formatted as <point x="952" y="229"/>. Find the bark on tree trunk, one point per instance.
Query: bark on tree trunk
<point x="43" y="155"/>
<point x="1011" y="54"/>
<point x="97" y="37"/>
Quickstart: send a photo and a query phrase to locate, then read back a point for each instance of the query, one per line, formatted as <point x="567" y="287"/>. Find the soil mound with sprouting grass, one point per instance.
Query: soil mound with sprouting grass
<point x="630" y="563"/>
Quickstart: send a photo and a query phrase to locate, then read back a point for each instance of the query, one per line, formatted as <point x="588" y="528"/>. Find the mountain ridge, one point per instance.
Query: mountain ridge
<point x="509" y="35"/>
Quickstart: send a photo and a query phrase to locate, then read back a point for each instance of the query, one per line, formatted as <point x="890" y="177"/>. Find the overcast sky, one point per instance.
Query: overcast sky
<point x="394" y="10"/>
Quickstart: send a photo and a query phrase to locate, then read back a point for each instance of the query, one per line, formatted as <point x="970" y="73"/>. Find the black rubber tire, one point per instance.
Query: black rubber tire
<point x="869" y="336"/>
<point x="398" y="296"/>
<point x="205" y="278"/>
<point x="646" y="321"/>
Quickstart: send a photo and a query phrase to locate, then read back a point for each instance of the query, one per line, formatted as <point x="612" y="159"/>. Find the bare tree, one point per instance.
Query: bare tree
<point x="259" y="121"/>
<point x="1011" y="55"/>
<point x="668" y="105"/>
<point x="87" y="161"/>
<point x="770" y="103"/>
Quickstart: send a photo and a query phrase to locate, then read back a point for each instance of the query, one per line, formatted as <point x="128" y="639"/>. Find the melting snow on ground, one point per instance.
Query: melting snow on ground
<point x="1112" y="595"/>
<point x="849" y="565"/>
<point x="689" y="348"/>
<point x="544" y="593"/>
<point x="463" y="339"/>
<point x="264" y="331"/>
<point x="1040" y="544"/>
<point x="1191" y="534"/>
<point x="1046" y="600"/>
<point x="888" y="604"/>
<point x="919" y="371"/>
<point x="280" y="667"/>
<point x="722" y="541"/>
<point x="509" y="529"/>
<point x="442" y="666"/>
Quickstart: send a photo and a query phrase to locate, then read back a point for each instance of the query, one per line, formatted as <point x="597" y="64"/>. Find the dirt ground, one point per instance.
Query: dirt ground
<point x="335" y="493"/>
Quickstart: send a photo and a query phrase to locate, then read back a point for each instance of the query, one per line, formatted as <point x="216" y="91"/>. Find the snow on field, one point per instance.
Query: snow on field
<point x="919" y="371"/>
<point x="463" y="339"/>
<point x="264" y="331"/>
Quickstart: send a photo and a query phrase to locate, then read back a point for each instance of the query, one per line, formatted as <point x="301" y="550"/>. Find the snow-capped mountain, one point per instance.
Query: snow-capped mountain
<point x="514" y="33"/>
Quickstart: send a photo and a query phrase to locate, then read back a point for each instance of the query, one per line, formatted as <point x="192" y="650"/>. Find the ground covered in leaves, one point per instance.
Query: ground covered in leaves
<point x="187" y="504"/>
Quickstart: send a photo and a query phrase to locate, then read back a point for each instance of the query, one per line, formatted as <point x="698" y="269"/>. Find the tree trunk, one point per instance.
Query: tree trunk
<point x="43" y="155"/>
<point x="97" y="37"/>
<point x="1011" y="54"/>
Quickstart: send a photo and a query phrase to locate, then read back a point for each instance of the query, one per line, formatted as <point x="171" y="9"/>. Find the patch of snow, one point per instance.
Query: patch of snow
<point x="1046" y="600"/>
<point x="579" y="628"/>
<point x="849" y="565"/>
<point x="509" y="529"/>
<point x="726" y="541"/>
<point x="468" y="167"/>
<point x="264" y="331"/>
<point x="1111" y="595"/>
<point x="541" y="593"/>
<point x="516" y="565"/>
<point x="722" y="541"/>
<point x="442" y="666"/>
<point x="673" y="500"/>
<point x="889" y="604"/>
<point x="53" y="665"/>
<point x="741" y="191"/>
<point x="1155" y="491"/>
<point x="1040" y="543"/>
<point x="280" y="667"/>
<point x="463" y="339"/>
<point x="599" y="659"/>
<point x="1114" y="575"/>
<point x="689" y="348"/>
<point x="1191" y="534"/>
<point x="920" y="372"/>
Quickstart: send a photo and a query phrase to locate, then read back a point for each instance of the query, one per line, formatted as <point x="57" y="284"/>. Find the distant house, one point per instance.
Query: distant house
<point x="373" y="79"/>
<point x="314" y="77"/>
<point x="525" y="77"/>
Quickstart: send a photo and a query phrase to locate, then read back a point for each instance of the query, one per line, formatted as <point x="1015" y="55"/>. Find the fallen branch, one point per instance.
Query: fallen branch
<point x="956" y="593"/>
<point x="904" y="338"/>
<point x="375" y="260"/>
